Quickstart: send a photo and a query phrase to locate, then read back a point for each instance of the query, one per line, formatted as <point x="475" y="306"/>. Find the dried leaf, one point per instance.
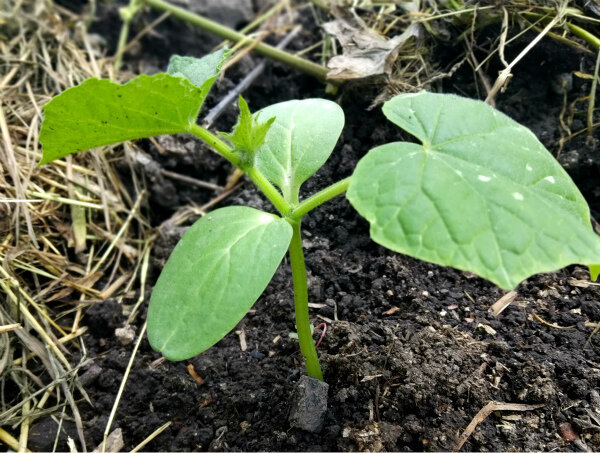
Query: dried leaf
<point x="114" y="442"/>
<point x="366" y="54"/>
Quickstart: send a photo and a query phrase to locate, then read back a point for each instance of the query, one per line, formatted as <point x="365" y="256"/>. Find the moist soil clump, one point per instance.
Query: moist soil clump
<point x="411" y="353"/>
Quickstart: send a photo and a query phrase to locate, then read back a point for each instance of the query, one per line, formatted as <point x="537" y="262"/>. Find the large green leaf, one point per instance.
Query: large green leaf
<point x="481" y="194"/>
<point x="299" y="142"/>
<point x="99" y="112"/>
<point x="216" y="272"/>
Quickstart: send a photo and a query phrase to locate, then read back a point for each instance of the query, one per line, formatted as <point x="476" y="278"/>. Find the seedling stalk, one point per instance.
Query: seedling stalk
<point x="297" y="262"/>
<point x="307" y="345"/>
<point x="508" y="188"/>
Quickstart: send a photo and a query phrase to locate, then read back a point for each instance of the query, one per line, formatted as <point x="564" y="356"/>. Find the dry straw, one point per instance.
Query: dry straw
<point x="71" y="234"/>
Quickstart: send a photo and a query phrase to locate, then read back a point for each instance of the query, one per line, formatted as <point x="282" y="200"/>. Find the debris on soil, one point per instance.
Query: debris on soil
<point x="114" y="442"/>
<point x="412" y="350"/>
<point x="374" y="436"/>
<point x="125" y="335"/>
<point x="309" y="404"/>
<point x="366" y="54"/>
<point x="501" y="304"/>
<point x="486" y="411"/>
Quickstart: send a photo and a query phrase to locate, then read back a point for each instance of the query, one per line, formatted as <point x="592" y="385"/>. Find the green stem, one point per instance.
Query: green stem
<point x="210" y="26"/>
<point x="319" y="198"/>
<point x="215" y="142"/>
<point x="592" y="99"/>
<point x="307" y="346"/>
<point x="255" y="176"/>
<point x="578" y="31"/>
<point x="122" y="41"/>
<point x="582" y="33"/>
<point x="127" y="14"/>
<point x="269" y="191"/>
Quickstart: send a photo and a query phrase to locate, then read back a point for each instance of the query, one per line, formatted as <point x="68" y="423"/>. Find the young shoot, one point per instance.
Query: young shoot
<point x="479" y="193"/>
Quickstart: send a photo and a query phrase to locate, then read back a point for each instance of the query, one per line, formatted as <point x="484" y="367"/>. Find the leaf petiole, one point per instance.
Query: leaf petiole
<point x="319" y="198"/>
<point x="215" y="142"/>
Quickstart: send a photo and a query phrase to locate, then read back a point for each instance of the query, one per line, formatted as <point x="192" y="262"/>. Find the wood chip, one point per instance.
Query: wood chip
<point x="488" y="329"/>
<point x="501" y="304"/>
<point x="242" y="335"/>
<point x="582" y="283"/>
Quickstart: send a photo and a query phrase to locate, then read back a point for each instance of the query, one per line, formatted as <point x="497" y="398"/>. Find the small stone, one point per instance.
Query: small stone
<point x="309" y="404"/>
<point x="487" y="329"/>
<point x="125" y="335"/>
<point x="244" y="426"/>
<point x="91" y="374"/>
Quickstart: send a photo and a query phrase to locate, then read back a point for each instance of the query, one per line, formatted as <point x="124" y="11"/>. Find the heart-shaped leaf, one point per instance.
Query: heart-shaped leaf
<point x="299" y="142"/>
<point x="480" y="194"/>
<point x="219" y="268"/>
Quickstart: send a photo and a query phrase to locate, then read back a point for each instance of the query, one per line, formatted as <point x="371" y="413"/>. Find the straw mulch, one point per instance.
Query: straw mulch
<point x="71" y="233"/>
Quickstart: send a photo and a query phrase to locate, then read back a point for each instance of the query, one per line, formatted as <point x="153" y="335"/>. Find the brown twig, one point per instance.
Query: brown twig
<point x="488" y="409"/>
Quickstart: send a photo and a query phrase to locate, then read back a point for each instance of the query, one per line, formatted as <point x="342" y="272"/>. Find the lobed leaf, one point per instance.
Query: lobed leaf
<point x="202" y="72"/>
<point x="299" y="142"/>
<point x="99" y="112"/>
<point x="480" y="194"/>
<point x="216" y="272"/>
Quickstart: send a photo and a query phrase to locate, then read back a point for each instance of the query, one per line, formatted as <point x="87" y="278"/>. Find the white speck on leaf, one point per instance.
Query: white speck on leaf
<point x="517" y="196"/>
<point x="483" y="178"/>
<point x="528" y="167"/>
<point x="265" y="218"/>
<point x="550" y="179"/>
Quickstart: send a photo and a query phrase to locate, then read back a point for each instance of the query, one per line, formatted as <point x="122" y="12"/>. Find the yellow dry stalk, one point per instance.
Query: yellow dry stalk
<point x="46" y="214"/>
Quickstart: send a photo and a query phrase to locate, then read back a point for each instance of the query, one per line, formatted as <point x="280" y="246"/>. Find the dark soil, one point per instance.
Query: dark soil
<point x="413" y="352"/>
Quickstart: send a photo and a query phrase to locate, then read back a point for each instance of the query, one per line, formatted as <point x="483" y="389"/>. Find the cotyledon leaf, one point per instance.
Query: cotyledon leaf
<point x="216" y="272"/>
<point x="299" y="142"/>
<point x="480" y="194"/>
<point x="100" y="112"/>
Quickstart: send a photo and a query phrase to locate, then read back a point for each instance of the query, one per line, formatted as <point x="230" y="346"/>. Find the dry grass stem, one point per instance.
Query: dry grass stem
<point x="70" y="236"/>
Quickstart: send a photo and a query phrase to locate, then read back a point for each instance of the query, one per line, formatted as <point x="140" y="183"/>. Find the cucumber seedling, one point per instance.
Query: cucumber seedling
<point x="479" y="193"/>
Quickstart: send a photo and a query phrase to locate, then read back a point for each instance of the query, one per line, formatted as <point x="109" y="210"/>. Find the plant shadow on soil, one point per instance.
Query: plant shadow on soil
<point x="415" y="353"/>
